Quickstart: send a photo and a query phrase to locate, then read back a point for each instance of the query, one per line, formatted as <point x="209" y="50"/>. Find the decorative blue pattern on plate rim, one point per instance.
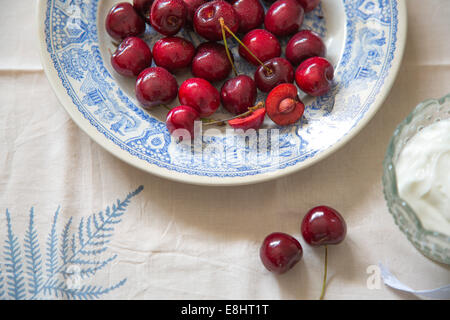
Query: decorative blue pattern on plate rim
<point x="370" y="45"/>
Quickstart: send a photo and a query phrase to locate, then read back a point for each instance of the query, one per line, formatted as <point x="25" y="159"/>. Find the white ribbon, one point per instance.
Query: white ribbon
<point x="391" y="281"/>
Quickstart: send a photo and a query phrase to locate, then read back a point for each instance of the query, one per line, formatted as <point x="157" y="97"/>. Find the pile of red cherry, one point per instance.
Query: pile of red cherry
<point x="321" y="226"/>
<point x="212" y="62"/>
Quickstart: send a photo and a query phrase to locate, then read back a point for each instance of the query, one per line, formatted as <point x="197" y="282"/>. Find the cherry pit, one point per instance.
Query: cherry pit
<point x="215" y="79"/>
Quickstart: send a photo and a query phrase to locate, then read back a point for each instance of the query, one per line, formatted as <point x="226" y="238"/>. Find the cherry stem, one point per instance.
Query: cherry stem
<point x="222" y="24"/>
<point x="163" y="105"/>
<point x="250" y="110"/>
<point x="324" y="274"/>
<point x="172" y="20"/>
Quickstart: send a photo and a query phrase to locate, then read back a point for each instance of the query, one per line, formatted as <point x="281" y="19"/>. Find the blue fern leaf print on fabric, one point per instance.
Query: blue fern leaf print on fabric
<point x="74" y="254"/>
<point x="2" y="290"/>
<point x="13" y="264"/>
<point x="51" y="248"/>
<point x="33" y="257"/>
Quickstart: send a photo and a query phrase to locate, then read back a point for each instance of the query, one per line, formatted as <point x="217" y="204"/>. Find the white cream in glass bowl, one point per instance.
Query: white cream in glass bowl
<point x="416" y="178"/>
<point x="423" y="175"/>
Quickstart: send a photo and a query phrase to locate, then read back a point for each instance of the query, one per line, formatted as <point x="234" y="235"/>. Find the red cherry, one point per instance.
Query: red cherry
<point x="211" y="62"/>
<point x="304" y="45"/>
<point x="173" y="53"/>
<point x="253" y="121"/>
<point x="156" y="86"/>
<point x="123" y="21"/>
<point x="250" y="13"/>
<point x="281" y="71"/>
<point x="143" y="7"/>
<point x="182" y="117"/>
<point x="238" y="94"/>
<point x="168" y="16"/>
<point x="131" y="57"/>
<point x="263" y="44"/>
<point x="191" y="6"/>
<point x="201" y="95"/>
<point x="280" y="252"/>
<point x="314" y="76"/>
<point x="206" y="19"/>
<point x="284" y="17"/>
<point x="323" y="225"/>
<point x="309" y="5"/>
<point x="283" y="105"/>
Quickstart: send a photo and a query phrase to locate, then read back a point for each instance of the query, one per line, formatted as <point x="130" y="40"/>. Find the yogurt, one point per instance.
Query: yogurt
<point x="423" y="176"/>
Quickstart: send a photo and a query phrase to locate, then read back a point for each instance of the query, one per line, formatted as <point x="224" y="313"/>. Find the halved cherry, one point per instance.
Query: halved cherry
<point x="283" y="105"/>
<point x="253" y="121"/>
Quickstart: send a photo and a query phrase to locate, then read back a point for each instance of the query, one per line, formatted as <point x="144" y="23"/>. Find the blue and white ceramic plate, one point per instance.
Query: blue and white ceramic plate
<point x="365" y="41"/>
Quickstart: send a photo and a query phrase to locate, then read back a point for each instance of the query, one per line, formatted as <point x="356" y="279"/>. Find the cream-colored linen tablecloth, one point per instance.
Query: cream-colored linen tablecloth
<point x="179" y="241"/>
